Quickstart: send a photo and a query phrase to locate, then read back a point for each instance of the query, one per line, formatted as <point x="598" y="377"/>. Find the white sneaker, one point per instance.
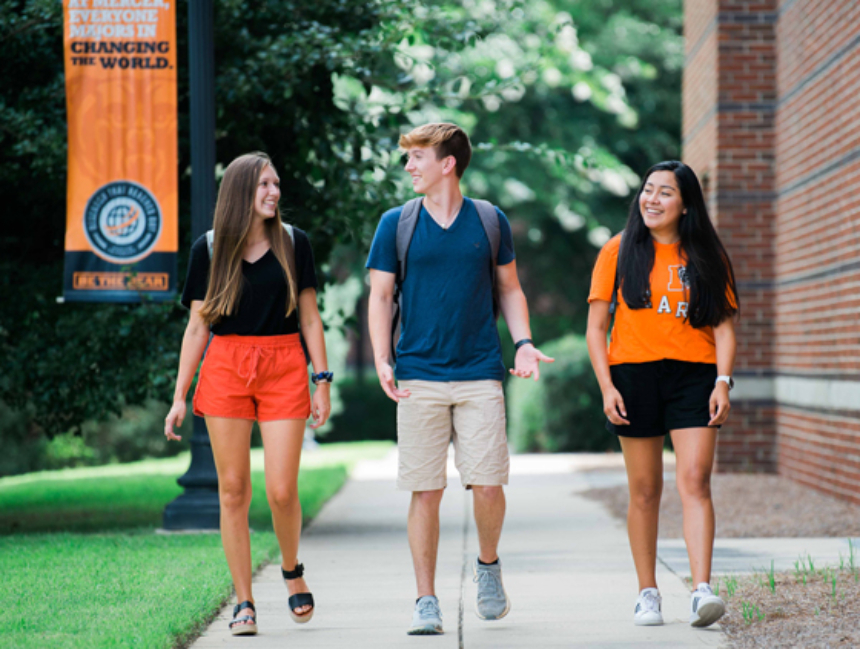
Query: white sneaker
<point x="705" y="607"/>
<point x="647" y="611"/>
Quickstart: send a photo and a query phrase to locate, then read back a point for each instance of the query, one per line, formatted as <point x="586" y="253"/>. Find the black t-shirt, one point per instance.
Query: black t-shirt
<point x="263" y="304"/>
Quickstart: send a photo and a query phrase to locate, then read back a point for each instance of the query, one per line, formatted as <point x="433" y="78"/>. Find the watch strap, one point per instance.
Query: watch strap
<point x="725" y="378"/>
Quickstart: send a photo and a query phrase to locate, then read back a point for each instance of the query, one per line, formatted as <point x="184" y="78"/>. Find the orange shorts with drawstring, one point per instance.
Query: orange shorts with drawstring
<point x="254" y="377"/>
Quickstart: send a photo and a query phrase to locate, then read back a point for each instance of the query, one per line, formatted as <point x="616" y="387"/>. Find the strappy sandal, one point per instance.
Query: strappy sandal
<point x="245" y="625"/>
<point x="299" y="599"/>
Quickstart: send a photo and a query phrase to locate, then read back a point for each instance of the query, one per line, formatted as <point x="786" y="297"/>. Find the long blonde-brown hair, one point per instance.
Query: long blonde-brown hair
<point x="234" y="213"/>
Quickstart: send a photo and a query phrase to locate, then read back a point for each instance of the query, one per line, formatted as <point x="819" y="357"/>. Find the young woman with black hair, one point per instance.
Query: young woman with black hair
<point x="667" y="368"/>
<point x="251" y="284"/>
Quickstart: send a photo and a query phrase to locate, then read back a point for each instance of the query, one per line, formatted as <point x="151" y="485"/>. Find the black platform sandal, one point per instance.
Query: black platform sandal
<point x="245" y="625"/>
<point x="299" y="599"/>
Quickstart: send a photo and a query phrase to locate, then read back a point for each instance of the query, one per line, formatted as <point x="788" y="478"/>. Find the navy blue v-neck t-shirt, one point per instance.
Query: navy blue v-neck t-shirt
<point x="448" y="332"/>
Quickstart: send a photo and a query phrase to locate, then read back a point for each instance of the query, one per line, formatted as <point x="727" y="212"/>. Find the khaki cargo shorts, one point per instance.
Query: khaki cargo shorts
<point x="472" y="414"/>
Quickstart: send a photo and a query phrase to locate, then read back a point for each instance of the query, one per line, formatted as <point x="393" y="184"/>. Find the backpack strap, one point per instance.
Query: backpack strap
<point x="490" y="220"/>
<point x="613" y="303"/>
<point x="405" y="229"/>
<point x="291" y="259"/>
<point x="210" y="237"/>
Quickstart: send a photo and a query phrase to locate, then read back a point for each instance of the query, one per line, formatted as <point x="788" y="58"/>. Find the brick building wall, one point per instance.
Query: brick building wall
<point x="772" y="124"/>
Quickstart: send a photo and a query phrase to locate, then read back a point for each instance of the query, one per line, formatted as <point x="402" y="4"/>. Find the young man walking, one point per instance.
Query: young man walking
<point x="461" y="274"/>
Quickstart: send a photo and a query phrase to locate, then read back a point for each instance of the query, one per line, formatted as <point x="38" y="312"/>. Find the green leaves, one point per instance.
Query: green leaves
<point x="76" y="363"/>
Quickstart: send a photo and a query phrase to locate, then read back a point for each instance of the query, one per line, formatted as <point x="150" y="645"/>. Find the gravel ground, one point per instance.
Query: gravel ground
<point x="811" y="607"/>
<point x="752" y="506"/>
<point x="795" y="614"/>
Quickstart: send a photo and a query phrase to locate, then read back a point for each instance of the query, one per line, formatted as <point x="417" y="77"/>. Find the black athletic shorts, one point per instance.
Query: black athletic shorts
<point x="663" y="395"/>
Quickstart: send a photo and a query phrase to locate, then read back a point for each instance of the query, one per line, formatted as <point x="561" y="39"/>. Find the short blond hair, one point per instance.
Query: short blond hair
<point x="445" y="139"/>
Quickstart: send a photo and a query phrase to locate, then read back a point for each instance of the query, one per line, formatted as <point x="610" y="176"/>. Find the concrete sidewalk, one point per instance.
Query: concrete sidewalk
<point x="751" y="555"/>
<point x="567" y="570"/>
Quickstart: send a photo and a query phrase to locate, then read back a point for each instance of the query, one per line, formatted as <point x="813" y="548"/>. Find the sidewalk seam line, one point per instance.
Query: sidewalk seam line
<point x="669" y="568"/>
<point x="460" y="634"/>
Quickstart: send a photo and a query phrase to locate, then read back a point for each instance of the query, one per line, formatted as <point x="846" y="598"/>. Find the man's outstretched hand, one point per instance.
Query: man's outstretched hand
<point x="527" y="362"/>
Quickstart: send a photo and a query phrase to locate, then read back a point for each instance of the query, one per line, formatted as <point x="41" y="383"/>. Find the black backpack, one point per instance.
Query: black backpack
<point x="406" y="228"/>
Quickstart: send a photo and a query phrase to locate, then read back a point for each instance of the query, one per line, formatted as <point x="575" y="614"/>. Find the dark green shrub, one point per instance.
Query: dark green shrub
<point x="136" y="434"/>
<point x="23" y="447"/>
<point x="368" y="414"/>
<point x="563" y="411"/>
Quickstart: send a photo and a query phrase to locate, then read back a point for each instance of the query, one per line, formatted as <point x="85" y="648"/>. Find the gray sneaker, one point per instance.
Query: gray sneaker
<point x="427" y="618"/>
<point x="493" y="602"/>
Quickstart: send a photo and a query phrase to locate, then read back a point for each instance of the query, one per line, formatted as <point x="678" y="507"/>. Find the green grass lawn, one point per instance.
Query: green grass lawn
<point x="147" y="590"/>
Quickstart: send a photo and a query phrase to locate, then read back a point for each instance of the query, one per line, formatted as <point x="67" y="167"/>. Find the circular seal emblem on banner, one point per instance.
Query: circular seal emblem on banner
<point x="122" y="221"/>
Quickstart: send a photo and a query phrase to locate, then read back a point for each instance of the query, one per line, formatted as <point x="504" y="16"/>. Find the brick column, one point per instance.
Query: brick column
<point x="818" y="245"/>
<point x="729" y="109"/>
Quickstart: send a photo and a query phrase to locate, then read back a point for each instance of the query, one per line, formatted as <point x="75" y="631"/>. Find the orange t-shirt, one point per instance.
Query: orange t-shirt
<point x="644" y="335"/>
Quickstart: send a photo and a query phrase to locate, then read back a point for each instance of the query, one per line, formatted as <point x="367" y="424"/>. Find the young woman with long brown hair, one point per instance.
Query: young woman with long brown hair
<point x="668" y="368"/>
<point x="251" y="284"/>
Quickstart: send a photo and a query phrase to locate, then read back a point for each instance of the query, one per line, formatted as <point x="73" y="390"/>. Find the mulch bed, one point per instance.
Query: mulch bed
<point x="811" y="607"/>
<point x="793" y="614"/>
<point x="750" y="506"/>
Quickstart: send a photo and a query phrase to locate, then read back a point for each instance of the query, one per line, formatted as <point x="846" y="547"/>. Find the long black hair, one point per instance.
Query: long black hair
<point x="710" y="276"/>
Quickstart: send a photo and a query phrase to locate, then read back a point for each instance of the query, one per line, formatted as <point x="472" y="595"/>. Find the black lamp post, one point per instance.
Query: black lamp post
<point x="197" y="507"/>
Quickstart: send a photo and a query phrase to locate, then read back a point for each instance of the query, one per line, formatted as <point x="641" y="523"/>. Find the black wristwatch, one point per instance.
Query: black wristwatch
<point x="520" y="343"/>
<point x="322" y="377"/>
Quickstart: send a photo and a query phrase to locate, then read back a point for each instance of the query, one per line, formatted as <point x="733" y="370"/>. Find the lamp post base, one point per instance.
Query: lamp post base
<point x="196" y="509"/>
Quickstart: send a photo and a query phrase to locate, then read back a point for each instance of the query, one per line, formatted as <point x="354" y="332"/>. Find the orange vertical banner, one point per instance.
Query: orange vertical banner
<point x="122" y="196"/>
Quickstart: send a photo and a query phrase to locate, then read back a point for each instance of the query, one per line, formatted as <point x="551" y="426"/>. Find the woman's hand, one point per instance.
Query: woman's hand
<point x="321" y="404"/>
<point x="174" y="418"/>
<point x="719" y="405"/>
<point x="613" y="407"/>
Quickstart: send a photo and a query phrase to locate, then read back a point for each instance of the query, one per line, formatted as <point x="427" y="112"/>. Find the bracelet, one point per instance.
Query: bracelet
<point x="322" y="377"/>
<point x="520" y="343"/>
